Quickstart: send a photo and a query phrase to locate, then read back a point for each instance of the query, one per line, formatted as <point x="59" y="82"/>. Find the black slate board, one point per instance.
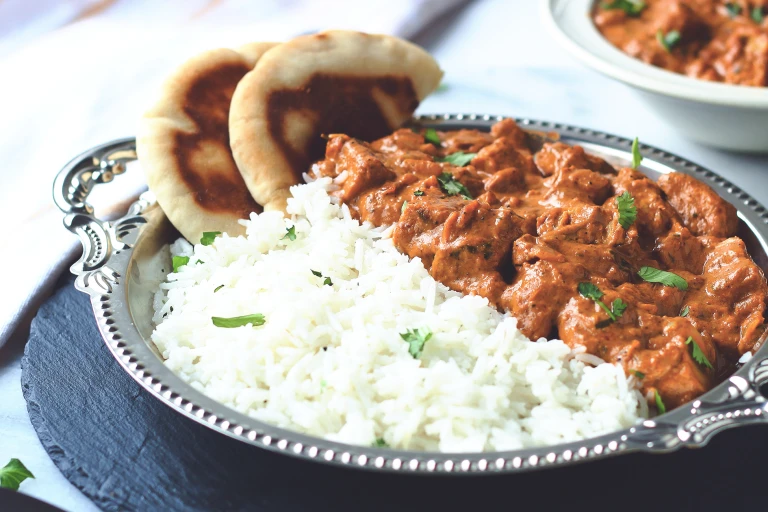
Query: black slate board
<point x="126" y="451"/>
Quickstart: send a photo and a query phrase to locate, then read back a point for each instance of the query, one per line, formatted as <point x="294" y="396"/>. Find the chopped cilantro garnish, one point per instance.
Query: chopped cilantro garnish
<point x="209" y="237"/>
<point x="452" y="186"/>
<point x="431" y="136"/>
<point x="668" y="40"/>
<point x="218" y="288"/>
<point x="654" y="275"/>
<point x="627" y="210"/>
<point x="416" y="339"/>
<point x="179" y="261"/>
<point x="459" y="158"/>
<point x="402" y="208"/>
<point x="323" y="384"/>
<point x="685" y="311"/>
<point x="238" y="321"/>
<point x="326" y="281"/>
<point x="418" y="193"/>
<point x="733" y="9"/>
<point x="637" y="158"/>
<point x="290" y="233"/>
<point x="639" y="375"/>
<point x="13" y="474"/>
<point x="590" y="291"/>
<point x="697" y="353"/>
<point x="757" y="15"/>
<point x="380" y="443"/>
<point x="660" y="404"/>
<point x="631" y="7"/>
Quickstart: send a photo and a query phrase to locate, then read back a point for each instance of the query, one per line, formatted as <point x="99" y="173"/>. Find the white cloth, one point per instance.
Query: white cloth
<point x="77" y="73"/>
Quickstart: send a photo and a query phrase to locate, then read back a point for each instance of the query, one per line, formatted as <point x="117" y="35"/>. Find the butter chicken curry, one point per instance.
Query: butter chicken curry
<point x="722" y="41"/>
<point x="646" y="274"/>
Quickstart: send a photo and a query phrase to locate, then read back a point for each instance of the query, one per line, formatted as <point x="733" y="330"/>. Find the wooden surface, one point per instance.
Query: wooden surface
<point x="126" y="451"/>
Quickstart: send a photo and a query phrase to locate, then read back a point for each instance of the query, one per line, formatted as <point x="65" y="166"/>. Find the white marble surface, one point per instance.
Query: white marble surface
<point x="498" y="59"/>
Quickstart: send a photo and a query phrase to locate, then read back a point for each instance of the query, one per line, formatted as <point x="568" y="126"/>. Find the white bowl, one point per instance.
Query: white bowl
<point x="725" y="116"/>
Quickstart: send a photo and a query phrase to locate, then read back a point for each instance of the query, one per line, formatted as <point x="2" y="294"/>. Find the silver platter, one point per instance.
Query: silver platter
<point x="123" y="263"/>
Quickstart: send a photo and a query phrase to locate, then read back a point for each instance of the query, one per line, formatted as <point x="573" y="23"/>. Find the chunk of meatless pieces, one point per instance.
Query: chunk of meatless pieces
<point x="641" y="342"/>
<point x="471" y="245"/>
<point x="537" y="225"/>
<point x="730" y="305"/>
<point x="702" y="210"/>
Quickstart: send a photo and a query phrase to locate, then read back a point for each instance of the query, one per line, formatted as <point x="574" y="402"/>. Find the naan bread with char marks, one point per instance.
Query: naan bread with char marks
<point x="183" y="144"/>
<point x="359" y="84"/>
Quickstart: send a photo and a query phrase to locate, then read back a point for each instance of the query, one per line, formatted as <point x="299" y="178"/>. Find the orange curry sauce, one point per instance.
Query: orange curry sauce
<point x="525" y="225"/>
<point x="717" y="40"/>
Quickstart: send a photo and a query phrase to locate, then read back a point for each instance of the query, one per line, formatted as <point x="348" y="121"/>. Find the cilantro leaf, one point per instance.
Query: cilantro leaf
<point x="660" y="404"/>
<point x="733" y="9"/>
<point x="757" y="15"/>
<point x="668" y="40"/>
<point x="326" y="281"/>
<point x="218" y="288"/>
<point x="459" y="158"/>
<point x="431" y="136"/>
<point x="654" y="275"/>
<point x="402" y="208"/>
<point x="290" y="234"/>
<point x="625" y="203"/>
<point x="238" y="321"/>
<point x="209" y="237"/>
<point x="416" y="339"/>
<point x="13" y="474"/>
<point x="631" y="7"/>
<point x="639" y="375"/>
<point x="637" y="158"/>
<point x="178" y="262"/>
<point x="685" y="311"/>
<point x="380" y="443"/>
<point x="590" y="291"/>
<point x="418" y="193"/>
<point x="452" y="186"/>
<point x="697" y="353"/>
<point x="618" y="307"/>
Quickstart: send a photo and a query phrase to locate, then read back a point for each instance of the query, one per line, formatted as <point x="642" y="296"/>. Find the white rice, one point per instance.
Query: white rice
<point x="330" y="361"/>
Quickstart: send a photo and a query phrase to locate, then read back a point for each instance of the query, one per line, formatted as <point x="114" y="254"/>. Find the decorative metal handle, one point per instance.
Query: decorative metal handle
<point x="744" y="401"/>
<point x="71" y="188"/>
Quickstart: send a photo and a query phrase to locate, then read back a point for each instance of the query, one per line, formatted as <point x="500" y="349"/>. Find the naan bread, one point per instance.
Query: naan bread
<point x="183" y="144"/>
<point x="347" y="82"/>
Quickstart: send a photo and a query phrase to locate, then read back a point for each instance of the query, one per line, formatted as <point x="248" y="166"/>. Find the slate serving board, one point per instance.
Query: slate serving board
<point x="126" y="451"/>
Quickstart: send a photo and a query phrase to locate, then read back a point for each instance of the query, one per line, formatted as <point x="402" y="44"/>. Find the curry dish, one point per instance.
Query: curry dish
<point x="648" y="275"/>
<point x="706" y="39"/>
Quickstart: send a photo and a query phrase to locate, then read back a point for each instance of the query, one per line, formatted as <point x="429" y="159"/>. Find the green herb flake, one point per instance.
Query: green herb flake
<point x="452" y="186"/>
<point x="625" y="203"/>
<point x="637" y="158"/>
<point x="442" y="87"/>
<point x="178" y="262"/>
<point x="380" y="443"/>
<point x="618" y="307"/>
<point x="418" y="193"/>
<point x="758" y="15"/>
<point x="590" y="291"/>
<point x="639" y="375"/>
<point x="218" y="288"/>
<point x="238" y="321"/>
<point x="13" y="474"/>
<point x="431" y="136"/>
<point x="685" y="311"/>
<point x="290" y="234"/>
<point x="654" y="275"/>
<point x="326" y="281"/>
<point x="631" y="7"/>
<point x="733" y="9"/>
<point x="323" y="384"/>
<point x="668" y="40"/>
<point x="698" y="354"/>
<point x="459" y="158"/>
<point x="209" y="237"/>
<point x="416" y="339"/>
<point x="402" y="208"/>
<point x="660" y="404"/>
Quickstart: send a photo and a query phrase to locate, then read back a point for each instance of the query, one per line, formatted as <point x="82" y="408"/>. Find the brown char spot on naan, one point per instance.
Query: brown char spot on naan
<point x="353" y="111"/>
<point x="207" y="103"/>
